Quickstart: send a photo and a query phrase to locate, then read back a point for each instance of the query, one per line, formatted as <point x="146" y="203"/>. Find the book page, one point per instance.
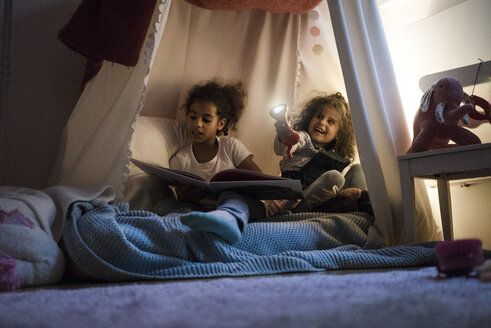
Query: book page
<point x="171" y="176"/>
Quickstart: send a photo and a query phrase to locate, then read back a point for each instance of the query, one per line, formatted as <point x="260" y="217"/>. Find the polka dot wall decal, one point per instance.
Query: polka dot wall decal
<point x="314" y="15"/>
<point x="314" y="31"/>
<point x="317" y="49"/>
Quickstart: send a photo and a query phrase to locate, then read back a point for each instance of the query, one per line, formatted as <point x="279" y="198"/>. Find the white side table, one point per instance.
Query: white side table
<point x="446" y="164"/>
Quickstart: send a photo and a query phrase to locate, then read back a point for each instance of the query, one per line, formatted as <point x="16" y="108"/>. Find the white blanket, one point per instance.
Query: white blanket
<point x="31" y="225"/>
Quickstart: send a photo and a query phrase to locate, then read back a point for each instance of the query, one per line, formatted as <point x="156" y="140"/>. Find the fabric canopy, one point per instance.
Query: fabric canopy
<point x="283" y="58"/>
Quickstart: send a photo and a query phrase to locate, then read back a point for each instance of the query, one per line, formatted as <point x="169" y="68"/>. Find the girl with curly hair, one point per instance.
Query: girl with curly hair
<point x="326" y="147"/>
<point x="212" y="112"/>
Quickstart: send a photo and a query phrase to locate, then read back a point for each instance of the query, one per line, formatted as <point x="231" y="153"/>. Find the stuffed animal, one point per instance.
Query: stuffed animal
<point x="437" y="120"/>
<point x="476" y="117"/>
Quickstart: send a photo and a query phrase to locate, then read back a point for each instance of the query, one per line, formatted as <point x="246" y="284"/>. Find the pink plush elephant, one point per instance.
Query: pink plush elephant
<point x="436" y="122"/>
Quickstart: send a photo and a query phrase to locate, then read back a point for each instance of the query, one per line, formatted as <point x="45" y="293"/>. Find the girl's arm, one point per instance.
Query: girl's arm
<point x="280" y="149"/>
<point x="249" y="164"/>
<point x="281" y="131"/>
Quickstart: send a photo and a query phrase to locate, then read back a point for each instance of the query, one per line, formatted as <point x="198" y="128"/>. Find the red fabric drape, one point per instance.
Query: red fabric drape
<point x="275" y="6"/>
<point x="112" y="30"/>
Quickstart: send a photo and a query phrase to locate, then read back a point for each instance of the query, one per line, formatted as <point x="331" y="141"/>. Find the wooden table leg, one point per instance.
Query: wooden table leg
<point x="407" y="193"/>
<point x="445" y="208"/>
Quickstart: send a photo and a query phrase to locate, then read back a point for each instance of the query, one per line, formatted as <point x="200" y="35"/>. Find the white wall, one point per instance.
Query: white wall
<point x="44" y="87"/>
<point x="429" y="36"/>
<point x="470" y="208"/>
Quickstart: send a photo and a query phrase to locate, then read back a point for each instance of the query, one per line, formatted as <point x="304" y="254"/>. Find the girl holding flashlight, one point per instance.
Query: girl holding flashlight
<point x="326" y="147"/>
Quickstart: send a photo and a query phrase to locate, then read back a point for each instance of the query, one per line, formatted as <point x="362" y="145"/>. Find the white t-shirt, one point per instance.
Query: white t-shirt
<point x="231" y="152"/>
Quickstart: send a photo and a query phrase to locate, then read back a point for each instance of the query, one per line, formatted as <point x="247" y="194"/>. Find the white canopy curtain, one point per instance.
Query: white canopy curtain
<point x="272" y="54"/>
<point x="378" y="116"/>
<point x="94" y="147"/>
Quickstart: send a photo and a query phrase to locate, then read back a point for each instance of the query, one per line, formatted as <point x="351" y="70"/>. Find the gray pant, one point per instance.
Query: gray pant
<point x="354" y="178"/>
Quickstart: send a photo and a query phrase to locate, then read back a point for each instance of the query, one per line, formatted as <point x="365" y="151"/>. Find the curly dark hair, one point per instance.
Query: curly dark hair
<point x="345" y="142"/>
<point x="228" y="98"/>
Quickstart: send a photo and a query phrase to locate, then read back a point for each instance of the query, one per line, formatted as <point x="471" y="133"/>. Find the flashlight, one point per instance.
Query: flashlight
<point x="280" y="114"/>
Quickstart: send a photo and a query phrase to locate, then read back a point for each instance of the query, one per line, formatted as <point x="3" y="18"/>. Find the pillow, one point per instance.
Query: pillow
<point x="29" y="255"/>
<point x="155" y="140"/>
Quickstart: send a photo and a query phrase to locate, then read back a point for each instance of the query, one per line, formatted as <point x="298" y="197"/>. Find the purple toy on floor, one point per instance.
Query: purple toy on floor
<point x="459" y="257"/>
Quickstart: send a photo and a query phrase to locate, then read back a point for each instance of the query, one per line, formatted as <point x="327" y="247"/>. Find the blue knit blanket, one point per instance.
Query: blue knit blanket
<point x="112" y="243"/>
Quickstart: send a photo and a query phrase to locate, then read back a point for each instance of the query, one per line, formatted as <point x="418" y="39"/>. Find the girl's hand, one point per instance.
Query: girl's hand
<point x="188" y="193"/>
<point x="282" y="130"/>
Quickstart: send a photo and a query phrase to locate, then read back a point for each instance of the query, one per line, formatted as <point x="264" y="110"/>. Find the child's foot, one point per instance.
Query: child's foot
<point x="219" y="222"/>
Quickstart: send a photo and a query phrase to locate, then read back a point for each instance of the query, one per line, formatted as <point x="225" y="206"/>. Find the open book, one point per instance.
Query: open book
<point x="255" y="184"/>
